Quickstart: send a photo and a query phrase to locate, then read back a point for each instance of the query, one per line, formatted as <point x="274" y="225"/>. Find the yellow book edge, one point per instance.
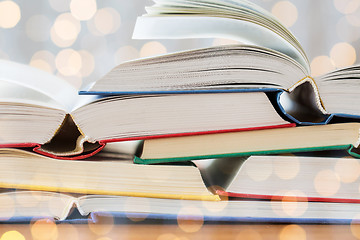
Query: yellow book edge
<point x="114" y="193"/>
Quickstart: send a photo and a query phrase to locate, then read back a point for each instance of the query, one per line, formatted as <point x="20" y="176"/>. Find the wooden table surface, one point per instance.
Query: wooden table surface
<point x="183" y="231"/>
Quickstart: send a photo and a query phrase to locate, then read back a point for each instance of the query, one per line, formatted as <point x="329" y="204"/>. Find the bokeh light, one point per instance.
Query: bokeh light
<point x="83" y="9"/>
<point x="68" y="62"/>
<point x="106" y="21"/>
<point x="104" y="224"/>
<point x="190" y="224"/>
<point x="258" y="172"/>
<point x="293" y="232"/>
<point x="41" y="64"/>
<point x="12" y="235"/>
<point x="321" y="65"/>
<point x="347" y="169"/>
<point x="10" y="14"/>
<point x="215" y="206"/>
<point x="286" y="168"/>
<point x="346" y="6"/>
<point x="103" y="36"/>
<point x="286" y="12"/>
<point x="354" y="18"/>
<point x="343" y="54"/>
<point x="355" y="226"/>
<point x="65" y="30"/>
<point x="293" y="204"/>
<point x="327" y="183"/>
<point x="106" y="30"/>
<point x="44" y="229"/>
<point x="126" y="53"/>
<point x="43" y="60"/>
<point x="152" y="49"/>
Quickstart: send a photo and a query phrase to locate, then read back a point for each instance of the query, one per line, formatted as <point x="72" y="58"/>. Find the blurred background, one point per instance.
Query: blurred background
<point x="81" y="40"/>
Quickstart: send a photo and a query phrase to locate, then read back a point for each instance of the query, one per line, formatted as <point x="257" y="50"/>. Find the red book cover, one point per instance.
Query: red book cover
<point x="37" y="147"/>
<point x="285" y="198"/>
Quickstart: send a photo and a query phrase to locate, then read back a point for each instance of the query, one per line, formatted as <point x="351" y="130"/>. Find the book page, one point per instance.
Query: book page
<point x="14" y="93"/>
<point x="34" y="204"/>
<point x="214" y="27"/>
<point x="341" y="84"/>
<point x="42" y="85"/>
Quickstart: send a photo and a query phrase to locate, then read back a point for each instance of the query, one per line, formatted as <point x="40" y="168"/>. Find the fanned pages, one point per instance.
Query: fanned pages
<point x="215" y="68"/>
<point x="341" y="84"/>
<point x="238" y="20"/>
<point x="275" y="61"/>
<point x="159" y="97"/>
<point x="36" y="85"/>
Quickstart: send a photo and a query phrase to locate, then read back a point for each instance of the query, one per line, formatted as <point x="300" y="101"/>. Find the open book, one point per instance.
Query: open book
<point x="275" y="61"/>
<point x="107" y="173"/>
<point x="266" y="189"/>
<point x="315" y="177"/>
<point x="27" y="205"/>
<point x="42" y="111"/>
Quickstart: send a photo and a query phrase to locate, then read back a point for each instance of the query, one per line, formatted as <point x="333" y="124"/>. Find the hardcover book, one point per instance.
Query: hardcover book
<point x="42" y="111"/>
<point x="107" y="173"/>
<point x="309" y="189"/>
<point x="58" y="206"/>
<point x="275" y="61"/>
<point x="268" y="141"/>
<point x="311" y="177"/>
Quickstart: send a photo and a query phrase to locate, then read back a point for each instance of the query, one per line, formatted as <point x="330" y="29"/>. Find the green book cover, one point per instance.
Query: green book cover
<point x="350" y="148"/>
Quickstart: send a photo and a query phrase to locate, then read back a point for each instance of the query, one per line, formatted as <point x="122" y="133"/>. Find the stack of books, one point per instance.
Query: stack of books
<point x="212" y="123"/>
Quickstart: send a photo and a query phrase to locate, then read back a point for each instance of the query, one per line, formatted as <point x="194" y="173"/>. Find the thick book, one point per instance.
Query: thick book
<point x="268" y="141"/>
<point x="274" y="61"/>
<point x="29" y="205"/>
<point x="107" y="173"/>
<point x="315" y="177"/>
<point x="42" y="111"/>
<point x="112" y="173"/>
<point x="258" y="189"/>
